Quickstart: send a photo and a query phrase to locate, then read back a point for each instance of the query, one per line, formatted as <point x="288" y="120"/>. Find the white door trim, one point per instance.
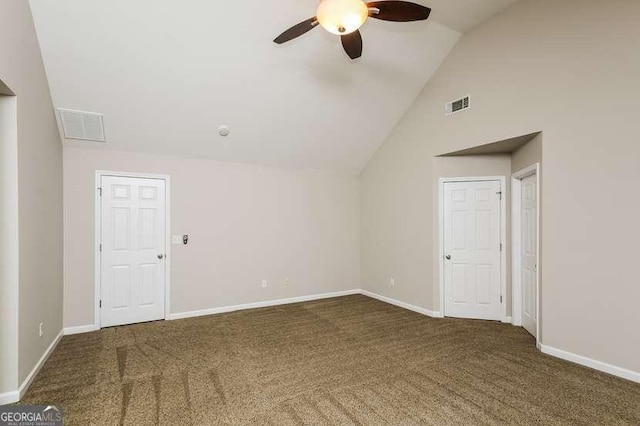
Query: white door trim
<point x="97" y="234"/>
<point x="503" y="235"/>
<point x="516" y="242"/>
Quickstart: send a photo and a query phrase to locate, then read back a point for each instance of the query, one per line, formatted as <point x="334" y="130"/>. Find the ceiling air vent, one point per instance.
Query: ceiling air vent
<point x="82" y="125"/>
<point x="457" y="106"/>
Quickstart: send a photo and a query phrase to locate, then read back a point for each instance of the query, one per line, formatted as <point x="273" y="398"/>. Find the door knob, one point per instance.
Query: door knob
<point x="448" y="257"/>
<point x="160" y="256"/>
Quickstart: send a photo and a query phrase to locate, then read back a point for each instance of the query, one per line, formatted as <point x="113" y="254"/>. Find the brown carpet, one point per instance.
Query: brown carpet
<point x="349" y="360"/>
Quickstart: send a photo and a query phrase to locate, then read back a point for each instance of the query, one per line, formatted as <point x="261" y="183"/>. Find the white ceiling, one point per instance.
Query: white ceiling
<point x="462" y="15"/>
<point x="166" y="74"/>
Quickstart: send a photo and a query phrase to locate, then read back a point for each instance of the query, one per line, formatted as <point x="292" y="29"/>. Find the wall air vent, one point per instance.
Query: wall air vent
<point x="82" y="125"/>
<point x="457" y="105"/>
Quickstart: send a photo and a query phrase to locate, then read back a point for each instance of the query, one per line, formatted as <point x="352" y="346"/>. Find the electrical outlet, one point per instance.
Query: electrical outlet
<point x="41" y="330"/>
<point x="286" y="282"/>
<point x="264" y="283"/>
<point x="392" y="282"/>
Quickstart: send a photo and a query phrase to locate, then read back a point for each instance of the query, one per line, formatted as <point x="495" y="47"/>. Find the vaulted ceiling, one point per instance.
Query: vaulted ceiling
<point x="166" y="74"/>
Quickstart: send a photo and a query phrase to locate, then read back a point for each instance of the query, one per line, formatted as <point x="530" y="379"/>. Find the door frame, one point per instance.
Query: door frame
<point x="9" y="247"/>
<point x="503" y="236"/>
<point x="516" y="246"/>
<point x="98" y="232"/>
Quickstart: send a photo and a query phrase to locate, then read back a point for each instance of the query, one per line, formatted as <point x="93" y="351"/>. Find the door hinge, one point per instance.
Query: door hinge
<point x="100" y="246"/>
<point x="500" y="246"/>
<point x="100" y="304"/>
<point x="500" y="299"/>
<point x="100" y="191"/>
<point x="500" y="194"/>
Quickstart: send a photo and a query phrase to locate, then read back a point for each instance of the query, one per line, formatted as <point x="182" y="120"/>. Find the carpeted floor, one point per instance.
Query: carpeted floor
<point x="349" y="360"/>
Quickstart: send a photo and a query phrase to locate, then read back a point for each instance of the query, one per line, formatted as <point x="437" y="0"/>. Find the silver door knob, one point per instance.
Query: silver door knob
<point x="160" y="256"/>
<point x="448" y="257"/>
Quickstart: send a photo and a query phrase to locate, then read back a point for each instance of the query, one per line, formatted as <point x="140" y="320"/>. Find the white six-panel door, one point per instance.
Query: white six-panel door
<point x="472" y="283"/>
<point x="529" y="253"/>
<point x="133" y="250"/>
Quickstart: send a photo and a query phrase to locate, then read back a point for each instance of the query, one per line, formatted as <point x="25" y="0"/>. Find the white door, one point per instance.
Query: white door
<point x="529" y="254"/>
<point x="472" y="286"/>
<point x="133" y="250"/>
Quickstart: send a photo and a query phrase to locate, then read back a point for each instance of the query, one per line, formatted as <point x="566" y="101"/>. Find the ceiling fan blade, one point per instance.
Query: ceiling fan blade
<point x="296" y="30"/>
<point x="352" y="44"/>
<point x="398" y="11"/>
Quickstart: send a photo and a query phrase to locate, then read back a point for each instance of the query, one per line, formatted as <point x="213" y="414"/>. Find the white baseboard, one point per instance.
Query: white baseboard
<point x="80" y="329"/>
<point x="264" y="304"/>
<point x="634" y="376"/>
<point x="15" y="396"/>
<point x="418" y="309"/>
<point x="9" y="397"/>
<point x="507" y="320"/>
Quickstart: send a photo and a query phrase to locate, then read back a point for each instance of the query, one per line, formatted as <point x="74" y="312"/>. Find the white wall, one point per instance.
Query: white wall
<point x="569" y="69"/>
<point x="39" y="186"/>
<point x="245" y="223"/>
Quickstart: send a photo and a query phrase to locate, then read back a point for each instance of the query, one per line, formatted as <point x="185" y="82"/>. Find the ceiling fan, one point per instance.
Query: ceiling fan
<point x="345" y="17"/>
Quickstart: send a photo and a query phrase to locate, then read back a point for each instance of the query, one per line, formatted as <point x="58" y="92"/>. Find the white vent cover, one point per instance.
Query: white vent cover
<point x="457" y="105"/>
<point x="87" y="126"/>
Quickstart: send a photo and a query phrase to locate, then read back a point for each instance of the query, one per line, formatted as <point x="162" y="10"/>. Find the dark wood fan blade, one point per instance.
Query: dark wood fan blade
<point x="398" y="11"/>
<point x="352" y="44"/>
<point x="296" y="30"/>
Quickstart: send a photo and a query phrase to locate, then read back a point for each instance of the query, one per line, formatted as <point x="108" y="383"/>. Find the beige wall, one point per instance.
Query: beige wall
<point x="407" y="256"/>
<point x="569" y="69"/>
<point x="527" y="155"/>
<point x="39" y="185"/>
<point x="245" y="223"/>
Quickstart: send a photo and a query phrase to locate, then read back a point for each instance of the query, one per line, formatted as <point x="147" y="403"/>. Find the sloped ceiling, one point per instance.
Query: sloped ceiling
<point x="166" y="74"/>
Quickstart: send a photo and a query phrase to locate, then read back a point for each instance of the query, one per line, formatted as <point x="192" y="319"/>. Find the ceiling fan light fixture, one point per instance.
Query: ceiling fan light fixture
<point x="341" y="17"/>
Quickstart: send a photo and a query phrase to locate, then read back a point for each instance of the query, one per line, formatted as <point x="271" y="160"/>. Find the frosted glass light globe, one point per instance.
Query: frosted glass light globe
<point x="342" y="17"/>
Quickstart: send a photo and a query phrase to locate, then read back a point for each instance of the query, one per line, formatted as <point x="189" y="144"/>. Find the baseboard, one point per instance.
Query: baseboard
<point x="634" y="376"/>
<point x="80" y="329"/>
<point x="9" y="397"/>
<point x="507" y="320"/>
<point x="264" y="304"/>
<point x="418" y="309"/>
<point x="16" y="395"/>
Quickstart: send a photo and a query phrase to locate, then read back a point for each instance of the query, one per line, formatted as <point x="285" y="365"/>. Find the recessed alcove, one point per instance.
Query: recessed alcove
<point x="500" y="158"/>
